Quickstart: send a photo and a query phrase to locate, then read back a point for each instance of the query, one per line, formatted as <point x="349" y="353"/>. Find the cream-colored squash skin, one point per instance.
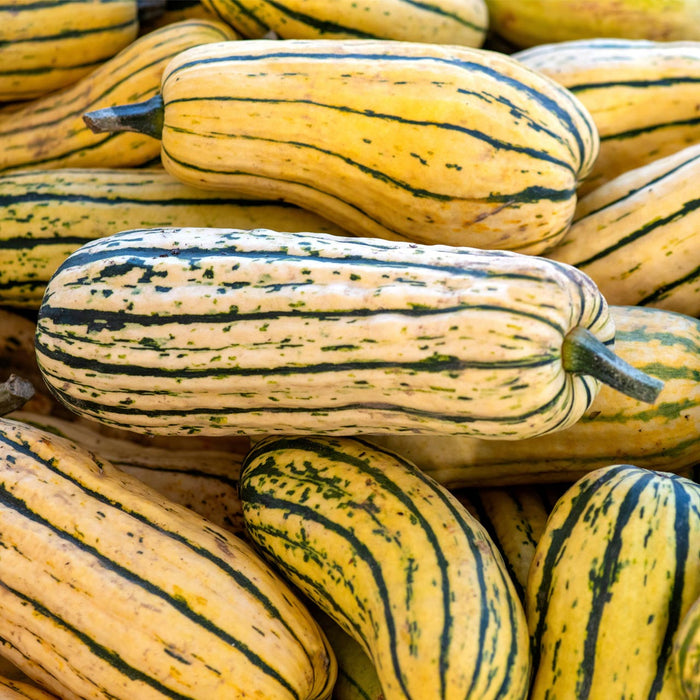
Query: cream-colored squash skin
<point x="49" y="132"/>
<point x="111" y="591"/>
<point x="614" y="429"/>
<point x="686" y="654"/>
<point x="535" y="22"/>
<point x="389" y="139"/>
<point x="225" y="331"/>
<point x="613" y="575"/>
<point x="461" y="22"/>
<point x="642" y="96"/>
<point x="638" y="235"/>
<point x="395" y="560"/>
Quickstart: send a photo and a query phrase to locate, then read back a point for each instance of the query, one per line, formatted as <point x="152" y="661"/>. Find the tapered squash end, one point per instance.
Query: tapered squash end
<point x="583" y="353"/>
<point x="141" y="117"/>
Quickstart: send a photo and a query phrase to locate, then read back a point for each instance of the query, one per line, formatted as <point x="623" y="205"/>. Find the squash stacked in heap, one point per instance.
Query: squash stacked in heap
<point x="410" y="323"/>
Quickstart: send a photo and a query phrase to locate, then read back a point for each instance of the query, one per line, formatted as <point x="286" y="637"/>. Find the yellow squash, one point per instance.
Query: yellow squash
<point x="440" y="22"/>
<point x="49" y="132"/>
<point x="642" y="96"/>
<point x="638" y="235"/>
<point x="398" y="140"/>
<point x="110" y="590"/>
<point x="534" y="22"/>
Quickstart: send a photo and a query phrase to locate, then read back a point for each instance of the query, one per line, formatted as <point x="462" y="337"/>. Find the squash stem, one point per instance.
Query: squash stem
<point x="142" y="117"/>
<point x="583" y="353"/>
<point x="14" y="393"/>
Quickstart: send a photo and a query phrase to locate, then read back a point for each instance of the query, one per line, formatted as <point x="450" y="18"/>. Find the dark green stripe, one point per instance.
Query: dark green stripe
<point x="601" y="584"/>
<point x="659" y="222"/>
<point x="556" y="541"/>
<point x="29" y="197"/>
<point x="96" y="320"/>
<point x="253" y="497"/>
<point x="233" y="8"/>
<point x="651" y="128"/>
<point x="496" y="144"/>
<point x="328" y="27"/>
<point x="43" y="70"/>
<point x="101" y="652"/>
<point x="648" y="83"/>
<point x="647" y="183"/>
<point x="685" y="522"/>
<point x="664" y="289"/>
<point x="70" y="34"/>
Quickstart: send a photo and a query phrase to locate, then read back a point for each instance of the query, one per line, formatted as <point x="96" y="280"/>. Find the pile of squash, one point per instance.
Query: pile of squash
<point x="350" y="350"/>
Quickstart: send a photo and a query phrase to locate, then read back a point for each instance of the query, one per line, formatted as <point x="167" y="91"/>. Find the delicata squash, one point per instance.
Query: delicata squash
<point x="109" y="590"/>
<point x="182" y="331"/>
<point x="388" y="139"/>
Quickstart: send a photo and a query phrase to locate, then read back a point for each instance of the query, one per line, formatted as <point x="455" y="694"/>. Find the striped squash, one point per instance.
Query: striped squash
<point x="47" y="214"/>
<point x="641" y="95"/>
<point x="440" y="22"/>
<point x="614" y="572"/>
<point x="11" y="689"/>
<point x="686" y="653"/>
<point x="109" y="590"/>
<point x="45" y="46"/>
<point x="395" y="560"/>
<point x="225" y="331"/>
<point x="49" y="132"/>
<point x="200" y="475"/>
<point x="515" y="518"/>
<point x="536" y="22"/>
<point x="357" y="677"/>
<point x="638" y="235"/>
<point x="389" y="139"/>
<point x="614" y="429"/>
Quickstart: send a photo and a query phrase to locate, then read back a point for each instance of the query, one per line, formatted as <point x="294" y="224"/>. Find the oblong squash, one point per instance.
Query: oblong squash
<point x="216" y="331"/>
<point x="641" y="95"/>
<point x="49" y="132"/>
<point x="536" y="22"/>
<point x="638" y="235"/>
<point x="614" y="429"/>
<point x="613" y="574"/>
<point x="389" y="139"/>
<point x="45" y="46"/>
<point x="109" y="590"/>
<point x="440" y="22"/>
<point x="47" y="214"/>
<point x="395" y="560"/>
